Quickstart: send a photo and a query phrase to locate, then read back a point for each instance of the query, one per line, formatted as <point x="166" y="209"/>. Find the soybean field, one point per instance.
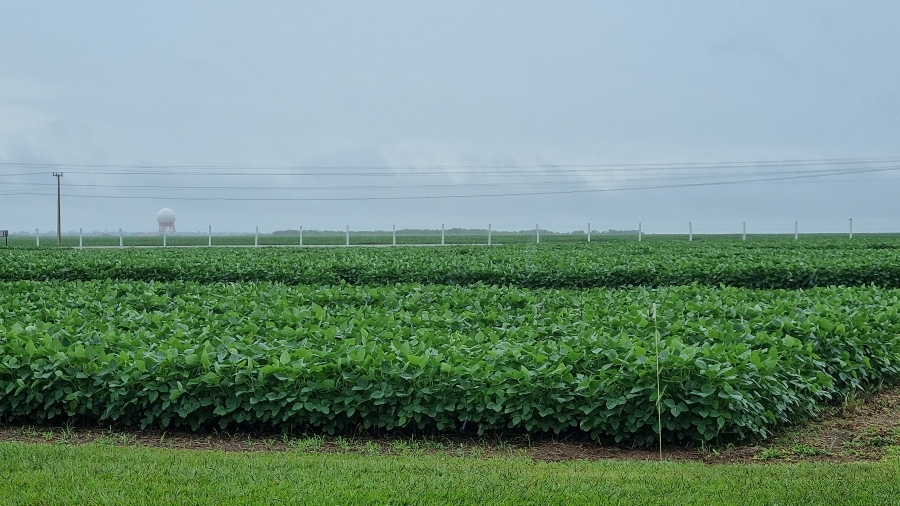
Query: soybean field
<point x="709" y="341"/>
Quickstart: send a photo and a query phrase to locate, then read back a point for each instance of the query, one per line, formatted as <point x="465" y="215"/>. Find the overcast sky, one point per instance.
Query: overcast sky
<point x="351" y="100"/>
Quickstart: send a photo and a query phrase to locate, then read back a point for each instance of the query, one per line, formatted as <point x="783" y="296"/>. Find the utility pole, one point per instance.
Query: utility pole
<point x="58" y="175"/>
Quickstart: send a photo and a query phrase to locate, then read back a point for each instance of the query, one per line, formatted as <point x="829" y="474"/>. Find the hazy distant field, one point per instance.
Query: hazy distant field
<point x="384" y="238"/>
<point x="314" y="239"/>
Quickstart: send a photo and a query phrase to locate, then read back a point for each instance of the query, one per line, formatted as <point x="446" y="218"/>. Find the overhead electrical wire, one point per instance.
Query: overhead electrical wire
<point x="426" y="170"/>
<point x="508" y="194"/>
<point x="494" y="185"/>
<point x="815" y="161"/>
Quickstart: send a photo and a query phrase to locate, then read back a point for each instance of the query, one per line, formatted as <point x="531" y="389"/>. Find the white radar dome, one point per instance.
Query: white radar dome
<point x="166" y="216"/>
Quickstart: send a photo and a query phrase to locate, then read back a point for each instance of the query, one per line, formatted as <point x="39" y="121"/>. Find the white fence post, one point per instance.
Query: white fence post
<point x="851" y="228"/>
<point x="80" y="235"/>
<point x="347" y="241"/>
<point x="393" y="235"/>
<point x="37" y="238"/>
<point x="639" y="232"/>
<point x="589" y="232"/>
<point x="256" y="237"/>
<point x="796" y="230"/>
<point x="164" y="238"/>
<point x="537" y="233"/>
<point x="209" y="237"/>
<point x="489" y="234"/>
<point x="690" y="231"/>
<point x="442" y="234"/>
<point x="744" y="235"/>
<point x="121" y="243"/>
<point x="301" y="235"/>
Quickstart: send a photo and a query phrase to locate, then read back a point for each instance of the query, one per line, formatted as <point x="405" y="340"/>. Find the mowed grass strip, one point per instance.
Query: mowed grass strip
<point x="89" y="474"/>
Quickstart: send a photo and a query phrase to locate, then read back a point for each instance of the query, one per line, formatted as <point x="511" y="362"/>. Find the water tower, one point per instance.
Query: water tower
<point x="166" y="219"/>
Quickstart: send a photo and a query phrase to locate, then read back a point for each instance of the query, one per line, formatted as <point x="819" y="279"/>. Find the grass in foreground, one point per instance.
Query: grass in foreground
<point x="92" y="474"/>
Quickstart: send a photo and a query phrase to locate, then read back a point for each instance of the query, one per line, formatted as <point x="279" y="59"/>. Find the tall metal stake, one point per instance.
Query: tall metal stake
<point x="58" y="175"/>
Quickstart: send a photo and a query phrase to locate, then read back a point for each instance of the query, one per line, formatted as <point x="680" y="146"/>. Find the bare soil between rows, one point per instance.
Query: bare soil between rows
<point x="863" y="428"/>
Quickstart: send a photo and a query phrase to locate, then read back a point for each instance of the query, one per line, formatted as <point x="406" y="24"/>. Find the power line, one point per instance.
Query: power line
<point x="816" y="161"/>
<point x="426" y="170"/>
<point x="25" y="174"/>
<point x="518" y="194"/>
<point x="495" y="185"/>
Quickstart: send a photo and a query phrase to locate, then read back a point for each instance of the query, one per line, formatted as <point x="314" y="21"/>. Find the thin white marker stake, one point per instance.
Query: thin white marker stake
<point x="164" y="238"/>
<point x="301" y="235"/>
<point x="442" y="234"/>
<point x="393" y="235"/>
<point x="639" y="232"/>
<point x="796" y="230"/>
<point x="347" y="241"/>
<point x="851" y="228"/>
<point x="256" y="237"/>
<point x="209" y="238"/>
<point x="537" y="233"/>
<point x="37" y="238"/>
<point x="589" y="232"/>
<point x="80" y="234"/>
<point x="489" y="234"/>
<point x="658" y="392"/>
<point x="690" y="231"/>
<point x="121" y="245"/>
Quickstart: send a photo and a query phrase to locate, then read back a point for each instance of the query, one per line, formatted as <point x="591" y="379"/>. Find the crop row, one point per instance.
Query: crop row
<point x="763" y="264"/>
<point x="734" y="362"/>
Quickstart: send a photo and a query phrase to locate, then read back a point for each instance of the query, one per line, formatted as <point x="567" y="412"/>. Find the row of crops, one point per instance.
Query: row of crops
<point x="735" y="363"/>
<point x="763" y="264"/>
<point x="550" y="339"/>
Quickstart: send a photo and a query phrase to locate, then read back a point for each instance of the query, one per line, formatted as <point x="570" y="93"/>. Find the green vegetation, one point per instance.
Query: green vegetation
<point x="735" y="362"/>
<point x="518" y="339"/>
<point x="613" y="264"/>
<point x="91" y="474"/>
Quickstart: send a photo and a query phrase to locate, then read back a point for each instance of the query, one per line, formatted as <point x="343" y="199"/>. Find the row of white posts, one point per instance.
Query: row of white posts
<point x="347" y="235"/>
<point x="743" y="233"/>
<point x="537" y="233"/>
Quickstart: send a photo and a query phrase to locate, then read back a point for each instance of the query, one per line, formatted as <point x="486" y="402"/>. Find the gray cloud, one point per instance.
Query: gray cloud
<point x="448" y="85"/>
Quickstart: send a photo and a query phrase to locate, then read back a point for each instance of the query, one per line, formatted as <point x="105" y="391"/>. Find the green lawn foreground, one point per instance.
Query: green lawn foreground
<point x="94" y="474"/>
